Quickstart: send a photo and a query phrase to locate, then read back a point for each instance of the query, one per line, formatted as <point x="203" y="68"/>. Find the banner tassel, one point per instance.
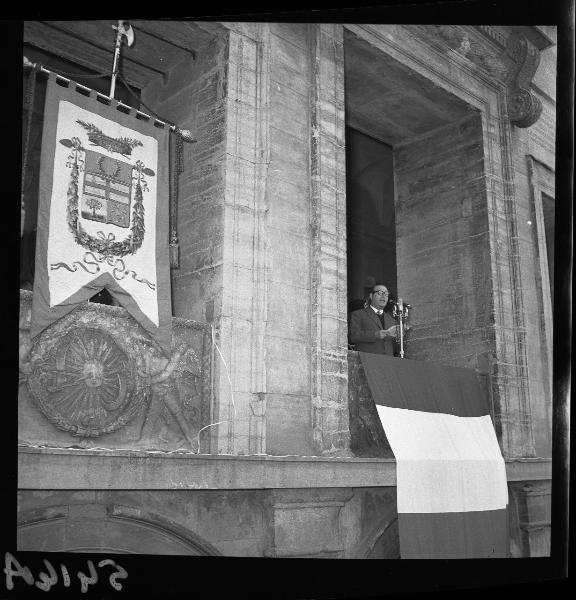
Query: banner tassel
<point x="174" y="252"/>
<point x="176" y="166"/>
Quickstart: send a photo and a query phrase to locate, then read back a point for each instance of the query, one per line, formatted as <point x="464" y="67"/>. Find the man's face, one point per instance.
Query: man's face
<point x="379" y="297"/>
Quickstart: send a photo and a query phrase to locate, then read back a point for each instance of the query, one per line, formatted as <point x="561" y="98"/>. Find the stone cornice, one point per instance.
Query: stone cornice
<point x="506" y="55"/>
<point x="52" y="468"/>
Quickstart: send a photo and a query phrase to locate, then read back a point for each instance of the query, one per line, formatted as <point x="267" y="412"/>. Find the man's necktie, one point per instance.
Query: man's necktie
<point x="381" y="317"/>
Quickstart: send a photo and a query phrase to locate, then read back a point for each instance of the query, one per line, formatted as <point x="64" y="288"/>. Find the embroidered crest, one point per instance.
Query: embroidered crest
<point x="106" y="193"/>
<point x="106" y="197"/>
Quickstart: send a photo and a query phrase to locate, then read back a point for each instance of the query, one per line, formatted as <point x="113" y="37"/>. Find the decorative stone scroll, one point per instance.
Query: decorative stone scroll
<point x="503" y="55"/>
<point x="524" y="107"/>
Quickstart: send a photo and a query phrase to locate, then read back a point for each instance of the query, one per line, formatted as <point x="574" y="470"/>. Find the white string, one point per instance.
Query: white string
<point x="231" y="392"/>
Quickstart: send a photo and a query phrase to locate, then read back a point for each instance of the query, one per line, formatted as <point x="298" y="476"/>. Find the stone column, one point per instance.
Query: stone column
<point x="240" y="380"/>
<point x="329" y="368"/>
<point x="530" y="511"/>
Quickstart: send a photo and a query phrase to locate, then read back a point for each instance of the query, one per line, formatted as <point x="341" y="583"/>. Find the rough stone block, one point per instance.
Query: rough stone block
<point x="289" y="317"/>
<point x="287" y="365"/>
<point x="288" y="203"/>
<point x="294" y="33"/>
<point x="289" y="261"/>
<point x="288" y="425"/>
<point x="305" y="530"/>
<point x="289" y="110"/>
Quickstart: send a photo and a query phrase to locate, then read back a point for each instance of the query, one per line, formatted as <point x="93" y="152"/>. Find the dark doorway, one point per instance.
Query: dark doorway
<point x="371" y="228"/>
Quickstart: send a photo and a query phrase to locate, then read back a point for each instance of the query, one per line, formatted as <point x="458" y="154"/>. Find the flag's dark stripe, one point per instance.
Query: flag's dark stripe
<point x="454" y="535"/>
<point x="416" y="385"/>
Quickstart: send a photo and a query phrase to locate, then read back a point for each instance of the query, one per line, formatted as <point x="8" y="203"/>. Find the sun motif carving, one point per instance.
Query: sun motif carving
<point x="85" y="384"/>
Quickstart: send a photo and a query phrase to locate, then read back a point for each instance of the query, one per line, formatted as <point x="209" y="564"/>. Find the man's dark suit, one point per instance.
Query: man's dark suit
<point x="364" y="324"/>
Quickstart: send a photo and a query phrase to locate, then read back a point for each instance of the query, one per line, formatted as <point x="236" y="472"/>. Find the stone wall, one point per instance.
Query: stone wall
<point x="307" y="522"/>
<point x="318" y="523"/>
<point x="443" y="244"/>
<point x="194" y="97"/>
<point x="367" y="436"/>
<point x="287" y="339"/>
<point x="280" y="380"/>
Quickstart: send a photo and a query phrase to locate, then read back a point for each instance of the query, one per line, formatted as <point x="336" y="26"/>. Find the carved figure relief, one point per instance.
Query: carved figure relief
<point x="173" y="397"/>
<point x="85" y="383"/>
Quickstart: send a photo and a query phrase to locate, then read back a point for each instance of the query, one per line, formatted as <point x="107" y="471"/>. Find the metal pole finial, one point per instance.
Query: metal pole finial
<point x="123" y="29"/>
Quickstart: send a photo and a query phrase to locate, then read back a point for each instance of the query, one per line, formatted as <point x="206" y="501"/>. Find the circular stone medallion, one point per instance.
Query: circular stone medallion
<point x="85" y="383"/>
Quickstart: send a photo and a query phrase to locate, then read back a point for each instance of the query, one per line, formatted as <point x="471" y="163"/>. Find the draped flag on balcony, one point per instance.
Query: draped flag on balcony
<point x="102" y="211"/>
<point x="451" y="480"/>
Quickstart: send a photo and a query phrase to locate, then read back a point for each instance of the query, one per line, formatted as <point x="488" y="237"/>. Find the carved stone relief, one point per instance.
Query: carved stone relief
<point x="85" y="383"/>
<point x="97" y="376"/>
<point x="173" y="406"/>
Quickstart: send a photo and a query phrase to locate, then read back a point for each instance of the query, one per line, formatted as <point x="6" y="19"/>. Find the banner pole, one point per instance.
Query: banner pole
<point x="120" y="31"/>
<point x="186" y="134"/>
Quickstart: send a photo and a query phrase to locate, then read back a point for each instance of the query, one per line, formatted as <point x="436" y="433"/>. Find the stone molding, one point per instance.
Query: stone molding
<point x="503" y="55"/>
<point x="541" y="180"/>
<point x="242" y="325"/>
<point x="329" y="370"/>
<point x="58" y="468"/>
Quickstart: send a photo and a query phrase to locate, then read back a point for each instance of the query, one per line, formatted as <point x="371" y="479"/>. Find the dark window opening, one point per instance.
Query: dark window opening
<point x="548" y="213"/>
<point x="370" y="218"/>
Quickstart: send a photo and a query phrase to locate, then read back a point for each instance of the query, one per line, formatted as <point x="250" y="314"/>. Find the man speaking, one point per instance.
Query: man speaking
<point x="371" y="329"/>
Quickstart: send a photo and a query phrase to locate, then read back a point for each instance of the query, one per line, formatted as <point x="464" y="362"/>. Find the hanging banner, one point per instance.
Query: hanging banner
<point x="451" y="483"/>
<point x="102" y="211"/>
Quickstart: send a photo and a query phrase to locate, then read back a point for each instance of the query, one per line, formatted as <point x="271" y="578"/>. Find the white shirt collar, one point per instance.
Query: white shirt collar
<point x="378" y="311"/>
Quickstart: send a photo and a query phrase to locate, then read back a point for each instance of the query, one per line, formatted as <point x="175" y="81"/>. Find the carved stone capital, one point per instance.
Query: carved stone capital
<point x="524" y="107"/>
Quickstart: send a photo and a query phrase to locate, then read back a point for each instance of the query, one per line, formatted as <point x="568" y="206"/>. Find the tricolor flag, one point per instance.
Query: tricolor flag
<point x="451" y="480"/>
<point x="102" y="211"/>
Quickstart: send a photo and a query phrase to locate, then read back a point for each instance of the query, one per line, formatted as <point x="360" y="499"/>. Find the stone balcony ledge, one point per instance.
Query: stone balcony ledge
<point x="54" y="468"/>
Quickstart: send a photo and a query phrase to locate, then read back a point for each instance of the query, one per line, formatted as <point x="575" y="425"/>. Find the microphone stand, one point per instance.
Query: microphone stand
<point x="400" y="311"/>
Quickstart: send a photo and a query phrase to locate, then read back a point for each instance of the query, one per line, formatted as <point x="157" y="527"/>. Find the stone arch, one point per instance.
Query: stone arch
<point x="110" y="528"/>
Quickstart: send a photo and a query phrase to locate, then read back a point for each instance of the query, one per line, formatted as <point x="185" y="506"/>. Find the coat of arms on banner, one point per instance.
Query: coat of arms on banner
<point x="107" y="190"/>
<point x="102" y="216"/>
<point x="106" y="193"/>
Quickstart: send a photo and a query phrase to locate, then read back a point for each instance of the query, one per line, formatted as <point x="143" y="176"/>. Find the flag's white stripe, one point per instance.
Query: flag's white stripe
<point x="445" y="463"/>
